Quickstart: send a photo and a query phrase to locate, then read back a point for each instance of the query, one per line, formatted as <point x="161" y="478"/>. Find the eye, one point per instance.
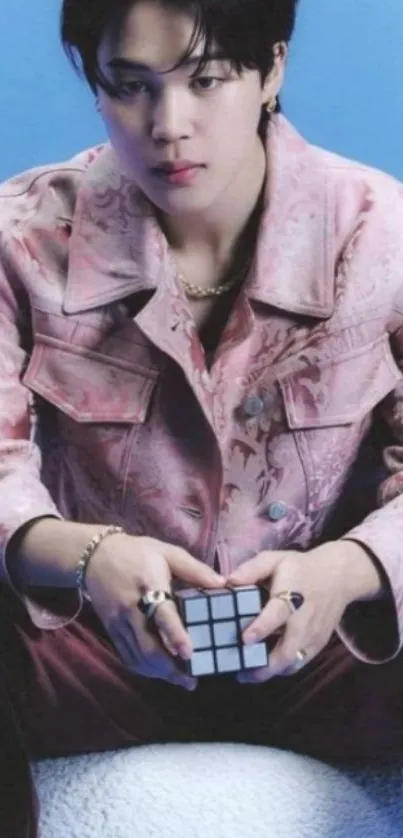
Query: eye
<point x="131" y="89"/>
<point x="206" y="83"/>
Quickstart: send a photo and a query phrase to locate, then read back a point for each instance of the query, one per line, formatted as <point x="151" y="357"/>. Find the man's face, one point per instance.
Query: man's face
<point x="210" y="120"/>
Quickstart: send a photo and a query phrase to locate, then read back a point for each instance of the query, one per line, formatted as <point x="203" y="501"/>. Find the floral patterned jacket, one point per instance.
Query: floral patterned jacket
<point x="108" y="413"/>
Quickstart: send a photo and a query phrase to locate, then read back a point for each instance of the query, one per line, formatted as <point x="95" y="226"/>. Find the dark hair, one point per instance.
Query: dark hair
<point x="244" y="30"/>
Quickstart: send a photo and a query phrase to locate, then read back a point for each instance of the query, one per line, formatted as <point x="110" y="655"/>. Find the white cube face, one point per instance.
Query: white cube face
<point x="202" y="663"/>
<point x="225" y="633"/>
<point x="228" y="660"/>
<point x="200" y="636"/>
<point x="214" y="620"/>
<point x="255" y="656"/>
<point x="248" y="601"/>
<point x="196" y="610"/>
<point x="222" y="607"/>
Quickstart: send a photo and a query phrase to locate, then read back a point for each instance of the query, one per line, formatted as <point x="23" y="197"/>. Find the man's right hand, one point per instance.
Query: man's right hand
<point x="121" y="571"/>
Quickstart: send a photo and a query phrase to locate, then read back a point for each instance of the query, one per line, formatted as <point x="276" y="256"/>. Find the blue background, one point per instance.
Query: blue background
<point x="344" y="87"/>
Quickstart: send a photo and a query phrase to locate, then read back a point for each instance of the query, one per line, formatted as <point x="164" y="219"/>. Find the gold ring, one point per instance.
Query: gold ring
<point x="293" y="599"/>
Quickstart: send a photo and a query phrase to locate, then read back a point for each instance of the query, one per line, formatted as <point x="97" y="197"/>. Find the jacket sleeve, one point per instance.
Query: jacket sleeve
<point x="23" y="496"/>
<point x="373" y="631"/>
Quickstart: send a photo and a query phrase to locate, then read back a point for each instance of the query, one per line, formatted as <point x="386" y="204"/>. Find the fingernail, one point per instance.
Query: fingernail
<point x="170" y="648"/>
<point x="250" y="638"/>
<point x="185" y="652"/>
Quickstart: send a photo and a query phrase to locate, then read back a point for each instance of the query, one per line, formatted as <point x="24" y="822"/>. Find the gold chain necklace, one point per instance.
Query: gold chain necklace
<point x="248" y="243"/>
<point x="197" y="292"/>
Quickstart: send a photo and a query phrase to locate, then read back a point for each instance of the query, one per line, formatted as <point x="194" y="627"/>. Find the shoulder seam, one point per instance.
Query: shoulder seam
<point x="49" y="171"/>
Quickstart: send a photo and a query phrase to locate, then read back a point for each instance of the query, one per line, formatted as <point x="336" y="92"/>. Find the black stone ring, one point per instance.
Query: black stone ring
<point x="149" y="603"/>
<point x="293" y="599"/>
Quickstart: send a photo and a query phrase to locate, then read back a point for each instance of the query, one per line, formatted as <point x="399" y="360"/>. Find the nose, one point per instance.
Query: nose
<point x="170" y="118"/>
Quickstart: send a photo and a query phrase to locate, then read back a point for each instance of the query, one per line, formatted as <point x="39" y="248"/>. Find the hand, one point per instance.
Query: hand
<point x="329" y="578"/>
<point x="122" y="570"/>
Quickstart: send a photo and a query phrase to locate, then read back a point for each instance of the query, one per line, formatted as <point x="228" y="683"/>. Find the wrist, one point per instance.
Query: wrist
<point x="87" y="555"/>
<point x="362" y="572"/>
<point x="45" y="552"/>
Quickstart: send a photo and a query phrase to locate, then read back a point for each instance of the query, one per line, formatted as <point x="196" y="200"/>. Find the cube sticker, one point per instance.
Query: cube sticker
<point x="222" y="607"/>
<point x="202" y="663"/>
<point x="225" y="633"/>
<point x="255" y="656"/>
<point x="249" y="601"/>
<point x="215" y="620"/>
<point x="229" y="659"/>
<point x="200" y="635"/>
<point x="196" y="610"/>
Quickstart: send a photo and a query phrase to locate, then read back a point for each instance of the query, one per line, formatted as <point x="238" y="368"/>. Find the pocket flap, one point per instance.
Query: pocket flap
<point x="341" y="391"/>
<point x="88" y="386"/>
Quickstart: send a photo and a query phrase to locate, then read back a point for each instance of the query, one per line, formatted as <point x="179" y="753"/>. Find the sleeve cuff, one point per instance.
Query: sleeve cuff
<point x="370" y="629"/>
<point x="48" y="608"/>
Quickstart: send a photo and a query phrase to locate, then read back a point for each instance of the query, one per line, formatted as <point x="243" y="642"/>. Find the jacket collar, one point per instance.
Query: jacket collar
<point x="294" y="266"/>
<point x="117" y="248"/>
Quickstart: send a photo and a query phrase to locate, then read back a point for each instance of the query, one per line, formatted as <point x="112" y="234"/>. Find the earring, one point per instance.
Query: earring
<point x="271" y="105"/>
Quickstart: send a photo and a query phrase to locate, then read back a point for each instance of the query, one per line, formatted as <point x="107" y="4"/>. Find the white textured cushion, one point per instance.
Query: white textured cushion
<point x="214" y="791"/>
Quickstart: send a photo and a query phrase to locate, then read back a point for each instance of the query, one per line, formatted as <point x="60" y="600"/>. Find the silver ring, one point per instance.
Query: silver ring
<point x="300" y="659"/>
<point x="151" y="600"/>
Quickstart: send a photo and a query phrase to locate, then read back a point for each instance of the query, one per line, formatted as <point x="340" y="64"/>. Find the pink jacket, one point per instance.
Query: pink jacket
<point x="107" y="412"/>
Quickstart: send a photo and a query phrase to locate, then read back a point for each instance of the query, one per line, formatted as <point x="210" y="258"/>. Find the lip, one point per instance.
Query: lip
<point x="168" y="168"/>
<point x="178" y="176"/>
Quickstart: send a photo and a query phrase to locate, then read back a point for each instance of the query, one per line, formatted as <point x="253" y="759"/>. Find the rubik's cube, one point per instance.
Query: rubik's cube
<point x="215" y="620"/>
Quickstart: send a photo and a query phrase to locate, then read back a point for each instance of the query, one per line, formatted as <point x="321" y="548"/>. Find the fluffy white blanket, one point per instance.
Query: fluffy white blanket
<point x="215" y="791"/>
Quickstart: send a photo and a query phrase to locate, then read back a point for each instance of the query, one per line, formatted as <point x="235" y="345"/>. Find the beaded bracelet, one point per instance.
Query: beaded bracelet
<point x="87" y="555"/>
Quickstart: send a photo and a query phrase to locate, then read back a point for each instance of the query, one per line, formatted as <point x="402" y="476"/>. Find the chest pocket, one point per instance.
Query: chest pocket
<point x="328" y="407"/>
<point x="87" y="386"/>
<point x="341" y="391"/>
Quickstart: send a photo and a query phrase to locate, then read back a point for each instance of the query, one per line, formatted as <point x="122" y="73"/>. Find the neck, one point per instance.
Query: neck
<point x="217" y="232"/>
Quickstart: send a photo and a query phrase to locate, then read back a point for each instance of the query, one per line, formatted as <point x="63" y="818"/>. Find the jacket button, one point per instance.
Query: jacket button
<point x="253" y="406"/>
<point x="277" y="511"/>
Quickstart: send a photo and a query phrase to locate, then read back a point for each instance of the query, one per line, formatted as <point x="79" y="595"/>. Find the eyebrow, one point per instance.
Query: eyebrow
<point x="138" y="66"/>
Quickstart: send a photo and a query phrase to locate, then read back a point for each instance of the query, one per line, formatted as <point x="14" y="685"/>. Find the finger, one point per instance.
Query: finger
<point x="145" y="655"/>
<point x="168" y="622"/>
<point x="285" y="665"/>
<point x="126" y="652"/>
<point x="286" y="658"/>
<point x="272" y="618"/>
<point x="146" y="639"/>
<point x="284" y="661"/>
<point x="157" y="669"/>
<point x="162" y="666"/>
<point x="186" y="681"/>
<point x="191" y="570"/>
<point x="255" y="676"/>
<point x="258" y="569"/>
<point x="168" y="646"/>
<point x="183" y="650"/>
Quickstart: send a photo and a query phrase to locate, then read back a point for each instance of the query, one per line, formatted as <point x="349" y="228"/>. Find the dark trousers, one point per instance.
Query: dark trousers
<point x="66" y="692"/>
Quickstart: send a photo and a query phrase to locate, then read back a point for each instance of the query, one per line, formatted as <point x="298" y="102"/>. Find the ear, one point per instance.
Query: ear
<point x="275" y="79"/>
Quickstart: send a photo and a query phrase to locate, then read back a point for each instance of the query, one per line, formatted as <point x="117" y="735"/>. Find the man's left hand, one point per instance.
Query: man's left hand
<point x="329" y="578"/>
